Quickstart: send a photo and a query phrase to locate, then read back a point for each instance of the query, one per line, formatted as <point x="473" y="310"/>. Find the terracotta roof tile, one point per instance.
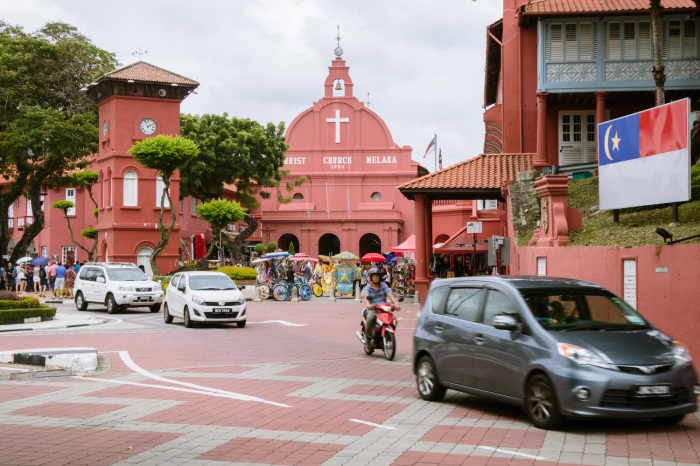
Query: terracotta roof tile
<point x="486" y="171"/>
<point x="145" y="72"/>
<point x="599" y="6"/>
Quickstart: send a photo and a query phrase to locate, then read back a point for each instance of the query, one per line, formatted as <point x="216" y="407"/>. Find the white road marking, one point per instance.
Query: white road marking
<point x="283" y="322"/>
<point x="515" y="453"/>
<point x="372" y="424"/>
<point x="16" y="369"/>
<point x="198" y="388"/>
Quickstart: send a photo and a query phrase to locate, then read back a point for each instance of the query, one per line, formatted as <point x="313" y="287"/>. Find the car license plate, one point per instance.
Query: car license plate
<point x="222" y="310"/>
<point x="653" y="390"/>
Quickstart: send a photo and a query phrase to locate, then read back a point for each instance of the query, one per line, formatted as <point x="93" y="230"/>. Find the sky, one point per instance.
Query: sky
<point x="422" y="63"/>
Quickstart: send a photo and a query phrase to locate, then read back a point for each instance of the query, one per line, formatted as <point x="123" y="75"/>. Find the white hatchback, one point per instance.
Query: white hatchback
<point x="204" y="297"/>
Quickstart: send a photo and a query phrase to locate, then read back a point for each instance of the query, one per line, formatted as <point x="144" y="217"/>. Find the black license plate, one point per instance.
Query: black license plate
<point x="222" y="310"/>
<point x="662" y="389"/>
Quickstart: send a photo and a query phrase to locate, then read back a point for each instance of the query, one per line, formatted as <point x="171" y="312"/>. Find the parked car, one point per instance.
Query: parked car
<point x="204" y="297"/>
<point x="117" y="285"/>
<point x="560" y="348"/>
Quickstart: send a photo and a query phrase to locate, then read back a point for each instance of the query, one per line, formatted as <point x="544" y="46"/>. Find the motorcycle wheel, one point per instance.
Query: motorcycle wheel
<point x="318" y="290"/>
<point x="305" y="292"/>
<point x="389" y="346"/>
<point x="279" y="292"/>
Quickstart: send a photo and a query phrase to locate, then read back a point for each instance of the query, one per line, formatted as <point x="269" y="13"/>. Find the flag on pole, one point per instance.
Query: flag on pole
<point x="440" y="160"/>
<point x="643" y="159"/>
<point x="431" y="145"/>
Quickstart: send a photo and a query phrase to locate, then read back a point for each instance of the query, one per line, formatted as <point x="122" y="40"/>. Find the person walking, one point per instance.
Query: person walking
<point x="36" y="279"/>
<point x="52" y="277"/>
<point x="21" y="280"/>
<point x="69" y="280"/>
<point x="290" y="281"/>
<point x="43" y="285"/>
<point x="59" y="282"/>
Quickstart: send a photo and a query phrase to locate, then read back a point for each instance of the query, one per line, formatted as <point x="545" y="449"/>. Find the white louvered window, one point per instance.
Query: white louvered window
<point x="131" y="188"/>
<point x="629" y="40"/>
<point x="193" y="203"/>
<point x="587" y="42"/>
<point x="689" y="38"/>
<point x="614" y="48"/>
<point x="644" y="42"/>
<point x="488" y="204"/>
<point x="570" y="43"/>
<point x="160" y="186"/>
<point x="673" y="39"/>
<point x="29" y="208"/>
<point x="70" y="196"/>
<point x="555" y="49"/>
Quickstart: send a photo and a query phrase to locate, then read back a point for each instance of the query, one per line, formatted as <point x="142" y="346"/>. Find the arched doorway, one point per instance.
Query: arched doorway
<point x="287" y="239"/>
<point x="328" y="244"/>
<point x="143" y="257"/>
<point x="370" y="243"/>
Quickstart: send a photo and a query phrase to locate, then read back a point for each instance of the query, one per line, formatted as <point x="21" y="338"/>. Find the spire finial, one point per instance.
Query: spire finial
<point x="139" y="53"/>
<point x="338" y="51"/>
<point x="368" y="102"/>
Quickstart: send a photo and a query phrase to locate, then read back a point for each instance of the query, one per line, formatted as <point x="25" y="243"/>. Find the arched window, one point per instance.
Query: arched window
<point x="376" y="196"/>
<point x="298" y="197"/>
<point x="131" y="188"/>
<point x="160" y="186"/>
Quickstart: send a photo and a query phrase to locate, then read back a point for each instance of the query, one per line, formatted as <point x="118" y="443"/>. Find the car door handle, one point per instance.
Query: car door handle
<point x="439" y="328"/>
<point x="479" y="339"/>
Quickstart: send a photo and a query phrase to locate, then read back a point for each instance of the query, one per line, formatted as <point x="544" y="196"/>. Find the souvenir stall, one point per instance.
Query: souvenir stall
<point x="403" y="266"/>
<point x="456" y="257"/>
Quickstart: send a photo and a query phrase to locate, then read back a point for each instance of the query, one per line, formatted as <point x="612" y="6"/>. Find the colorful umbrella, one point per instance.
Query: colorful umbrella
<point x="40" y="261"/>
<point x="346" y="256"/>
<point x="303" y="258"/>
<point x="24" y="259"/>
<point x="276" y="255"/>
<point x="373" y="257"/>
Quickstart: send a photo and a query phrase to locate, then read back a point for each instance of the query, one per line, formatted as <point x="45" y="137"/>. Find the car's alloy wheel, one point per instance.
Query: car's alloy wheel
<point x="166" y="314"/>
<point x="112" y="305"/>
<point x="541" y="404"/>
<point x="188" y="320"/>
<point x="80" y="302"/>
<point x="429" y="387"/>
<point x="389" y="346"/>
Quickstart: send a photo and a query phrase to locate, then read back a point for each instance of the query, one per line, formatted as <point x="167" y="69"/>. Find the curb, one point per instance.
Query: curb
<point x="65" y="359"/>
<point x="24" y="329"/>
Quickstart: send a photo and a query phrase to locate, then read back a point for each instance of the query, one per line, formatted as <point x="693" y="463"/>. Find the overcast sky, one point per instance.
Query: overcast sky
<point x="422" y="63"/>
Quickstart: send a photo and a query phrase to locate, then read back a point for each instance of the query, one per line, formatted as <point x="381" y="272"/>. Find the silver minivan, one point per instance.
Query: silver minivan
<point x="560" y="348"/>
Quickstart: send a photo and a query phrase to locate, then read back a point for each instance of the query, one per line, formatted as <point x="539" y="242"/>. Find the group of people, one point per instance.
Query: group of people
<point x="54" y="278"/>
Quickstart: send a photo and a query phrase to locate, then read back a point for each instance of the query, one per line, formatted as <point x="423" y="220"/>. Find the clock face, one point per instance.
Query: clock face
<point x="147" y="126"/>
<point x="104" y="128"/>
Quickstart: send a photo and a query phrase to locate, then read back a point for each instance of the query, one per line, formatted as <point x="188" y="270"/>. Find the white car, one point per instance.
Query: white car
<point x="204" y="297"/>
<point x="117" y="285"/>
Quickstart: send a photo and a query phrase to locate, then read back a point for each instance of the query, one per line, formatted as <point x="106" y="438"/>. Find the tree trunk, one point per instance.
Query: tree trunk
<point x="237" y="245"/>
<point x="658" y="70"/>
<point x="164" y="232"/>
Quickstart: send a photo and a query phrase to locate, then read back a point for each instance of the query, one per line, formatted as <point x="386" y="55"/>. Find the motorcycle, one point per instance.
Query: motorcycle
<point x="384" y="330"/>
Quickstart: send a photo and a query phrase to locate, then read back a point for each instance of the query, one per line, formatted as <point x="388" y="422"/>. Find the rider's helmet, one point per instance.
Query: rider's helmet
<point x="374" y="271"/>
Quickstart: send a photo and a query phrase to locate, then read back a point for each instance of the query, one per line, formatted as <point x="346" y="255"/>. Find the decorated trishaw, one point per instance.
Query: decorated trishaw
<point x="323" y="276"/>
<point x="345" y="273"/>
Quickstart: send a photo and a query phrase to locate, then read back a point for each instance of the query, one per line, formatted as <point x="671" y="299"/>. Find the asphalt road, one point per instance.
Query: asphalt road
<point x="292" y="387"/>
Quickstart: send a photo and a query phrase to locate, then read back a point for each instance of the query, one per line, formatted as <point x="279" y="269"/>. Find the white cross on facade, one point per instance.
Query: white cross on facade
<point x="337" y="120"/>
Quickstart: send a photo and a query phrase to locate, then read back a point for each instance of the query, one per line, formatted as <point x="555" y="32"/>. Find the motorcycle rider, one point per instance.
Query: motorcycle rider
<point x="376" y="292"/>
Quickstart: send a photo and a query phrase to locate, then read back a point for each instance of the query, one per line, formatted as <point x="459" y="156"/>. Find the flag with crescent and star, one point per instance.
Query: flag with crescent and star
<point x="644" y="158"/>
<point x="430" y="146"/>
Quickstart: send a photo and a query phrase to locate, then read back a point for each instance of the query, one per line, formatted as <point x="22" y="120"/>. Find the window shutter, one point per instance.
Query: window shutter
<point x="689" y="40"/>
<point x="644" y="40"/>
<point x="629" y="40"/>
<point x="674" y="39"/>
<point x="131" y="188"/>
<point x="70" y="196"/>
<point x="614" y="50"/>
<point x="587" y="42"/>
<point x="556" y="50"/>
<point x="570" y="43"/>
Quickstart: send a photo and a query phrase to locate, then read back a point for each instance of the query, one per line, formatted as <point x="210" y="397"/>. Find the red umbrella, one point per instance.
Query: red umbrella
<point x="373" y="257"/>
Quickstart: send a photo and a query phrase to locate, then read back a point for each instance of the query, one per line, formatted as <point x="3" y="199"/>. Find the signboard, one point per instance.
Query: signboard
<point x="473" y="227"/>
<point x="644" y="158"/>
<point x="542" y="266"/>
<point x="629" y="282"/>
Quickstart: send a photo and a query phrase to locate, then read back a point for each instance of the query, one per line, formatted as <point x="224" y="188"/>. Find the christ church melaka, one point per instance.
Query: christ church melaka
<point x="349" y="201"/>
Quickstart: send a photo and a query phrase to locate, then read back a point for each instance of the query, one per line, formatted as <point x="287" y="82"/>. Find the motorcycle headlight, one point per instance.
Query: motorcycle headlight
<point x="581" y="355"/>
<point x="197" y="300"/>
<point x="680" y="354"/>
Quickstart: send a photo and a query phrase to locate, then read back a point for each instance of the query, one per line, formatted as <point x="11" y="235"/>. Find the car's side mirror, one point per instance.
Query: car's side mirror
<point x="100" y="279"/>
<point x="181" y="288"/>
<point x="400" y="299"/>
<point x="505" y="322"/>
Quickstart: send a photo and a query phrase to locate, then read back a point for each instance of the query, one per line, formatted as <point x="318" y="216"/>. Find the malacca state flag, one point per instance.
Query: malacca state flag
<point x="644" y="158"/>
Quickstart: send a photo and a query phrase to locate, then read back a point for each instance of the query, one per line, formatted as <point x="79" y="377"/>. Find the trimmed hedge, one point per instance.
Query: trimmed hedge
<point x="14" y="314"/>
<point x="239" y="273"/>
<point x="25" y="302"/>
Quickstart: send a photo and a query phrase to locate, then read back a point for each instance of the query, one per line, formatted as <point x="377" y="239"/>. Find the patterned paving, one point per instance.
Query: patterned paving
<point x="317" y="400"/>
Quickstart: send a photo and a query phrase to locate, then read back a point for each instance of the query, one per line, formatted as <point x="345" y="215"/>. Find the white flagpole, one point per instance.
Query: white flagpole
<point x="435" y="152"/>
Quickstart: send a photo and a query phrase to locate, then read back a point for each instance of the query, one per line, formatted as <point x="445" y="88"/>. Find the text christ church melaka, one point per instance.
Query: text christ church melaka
<point x="349" y="201"/>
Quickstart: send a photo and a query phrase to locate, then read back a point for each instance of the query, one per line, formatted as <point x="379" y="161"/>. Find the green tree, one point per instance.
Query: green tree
<point x="271" y="246"/>
<point x="218" y="214"/>
<point x="165" y="154"/>
<point x="235" y="151"/>
<point x="291" y="248"/>
<point x="259" y="249"/>
<point x="48" y="128"/>
<point x="83" y="179"/>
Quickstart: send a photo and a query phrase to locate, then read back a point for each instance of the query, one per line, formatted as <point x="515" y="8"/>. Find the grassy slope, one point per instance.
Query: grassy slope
<point x="637" y="226"/>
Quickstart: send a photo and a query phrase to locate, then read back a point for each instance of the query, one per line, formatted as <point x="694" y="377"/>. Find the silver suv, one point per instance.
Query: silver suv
<point x="117" y="285"/>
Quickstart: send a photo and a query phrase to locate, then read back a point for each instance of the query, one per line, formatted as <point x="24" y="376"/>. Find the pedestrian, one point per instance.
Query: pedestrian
<point x="15" y="271"/>
<point x="307" y="272"/>
<point x="69" y="280"/>
<point x="43" y="281"/>
<point x="52" y="277"/>
<point x="36" y="279"/>
<point x="290" y="281"/>
<point x="21" y="280"/>
<point x="59" y="281"/>
<point x="77" y="267"/>
<point x="10" y="277"/>
<point x="2" y="277"/>
<point x="29" y="272"/>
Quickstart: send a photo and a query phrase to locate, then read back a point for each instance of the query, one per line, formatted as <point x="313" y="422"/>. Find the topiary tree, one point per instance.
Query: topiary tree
<point x="259" y="249"/>
<point x="271" y="246"/>
<point x="89" y="233"/>
<point x="165" y="154"/>
<point x="219" y="213"/>
<point x="291" y="248"/>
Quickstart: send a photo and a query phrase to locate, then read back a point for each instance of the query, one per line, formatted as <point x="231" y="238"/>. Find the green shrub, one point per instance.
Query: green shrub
<point x="239" y="273"/>
<point x="41" y="311"/>
<point x="271" y="246"/>
<point x="259" y="248"/>
<point x="164" y="280"/>
<point x="25" y="302"/>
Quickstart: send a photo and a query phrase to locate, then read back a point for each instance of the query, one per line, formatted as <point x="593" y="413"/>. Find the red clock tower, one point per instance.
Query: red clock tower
<point x="135" y="102"/>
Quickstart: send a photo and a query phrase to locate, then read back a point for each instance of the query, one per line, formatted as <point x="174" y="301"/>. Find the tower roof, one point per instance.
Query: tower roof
<point x="146" y="73"/>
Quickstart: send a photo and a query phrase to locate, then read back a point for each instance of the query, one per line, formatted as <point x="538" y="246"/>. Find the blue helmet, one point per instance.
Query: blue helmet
<point x="374" y="271"/>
